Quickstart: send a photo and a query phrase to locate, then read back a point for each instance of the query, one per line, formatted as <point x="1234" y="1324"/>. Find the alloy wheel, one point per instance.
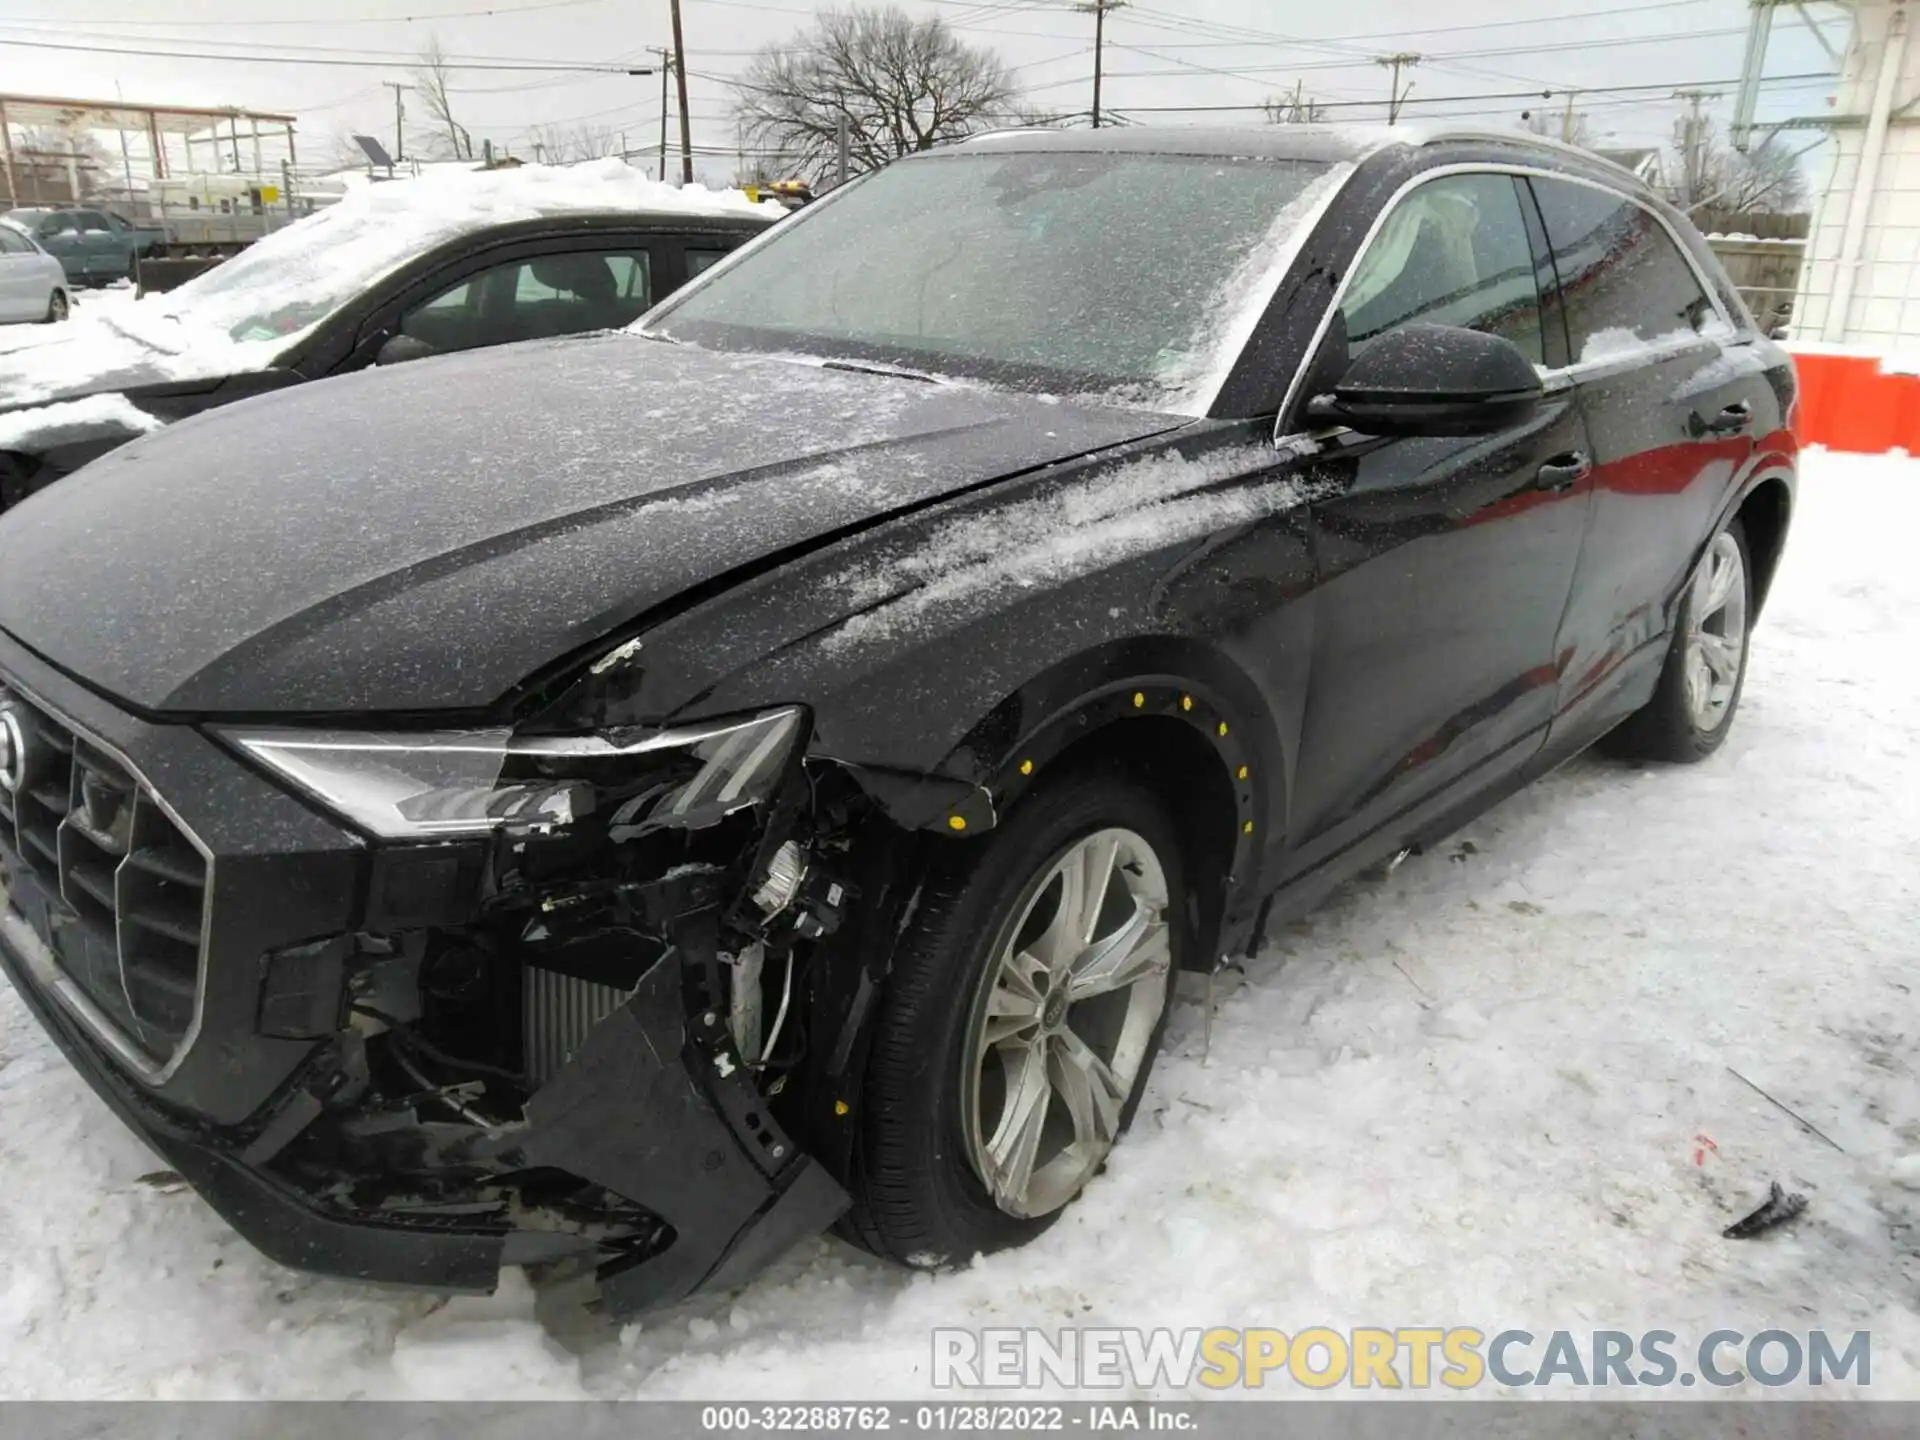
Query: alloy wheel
<point x="1717" y="634"/>
<point x="1063" y="1022"/>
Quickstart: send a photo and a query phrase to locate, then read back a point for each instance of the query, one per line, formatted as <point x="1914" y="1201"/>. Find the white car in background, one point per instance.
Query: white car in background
<point x="33" y="286"/>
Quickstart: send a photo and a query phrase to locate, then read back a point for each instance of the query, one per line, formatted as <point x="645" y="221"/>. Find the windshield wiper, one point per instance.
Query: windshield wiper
<point x="894" y="372"/>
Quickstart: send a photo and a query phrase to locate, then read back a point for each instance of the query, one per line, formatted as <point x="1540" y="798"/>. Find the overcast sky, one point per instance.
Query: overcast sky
<point x="1162" y="53"/>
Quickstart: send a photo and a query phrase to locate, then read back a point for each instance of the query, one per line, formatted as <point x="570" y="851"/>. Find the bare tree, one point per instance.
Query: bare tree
<point x="1299" y="108"/>
<point x="551" y="144"/>
<point x="49" y="159"/>
<point x="594" y="142"/>
<point x="1766" y="179"/>
<point x="896" y="84"/>
<point x="447" y="135"/>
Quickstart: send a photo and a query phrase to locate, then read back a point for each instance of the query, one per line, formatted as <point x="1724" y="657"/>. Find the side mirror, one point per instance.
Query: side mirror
<point x="1433" y="380"/>
<point x="401" y="348"/>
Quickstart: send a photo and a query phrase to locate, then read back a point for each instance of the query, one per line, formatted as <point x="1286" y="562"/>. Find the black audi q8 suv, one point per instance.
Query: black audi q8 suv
<point x="637" y="801"/>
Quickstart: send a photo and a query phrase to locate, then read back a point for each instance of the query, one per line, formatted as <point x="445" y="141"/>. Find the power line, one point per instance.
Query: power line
<point x="257" y="58"/>
<point x="1666" y="86"/>
<point x="328" y="22"/>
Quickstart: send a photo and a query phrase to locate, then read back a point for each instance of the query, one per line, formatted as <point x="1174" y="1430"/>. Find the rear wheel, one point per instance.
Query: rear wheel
<point x="1023" y="1014"/>
<point x="56" y="307"/>
<point x="1699" y="691"/>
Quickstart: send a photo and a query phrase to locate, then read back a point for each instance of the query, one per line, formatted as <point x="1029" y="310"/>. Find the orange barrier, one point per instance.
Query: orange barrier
<point x="1849" y="402"/>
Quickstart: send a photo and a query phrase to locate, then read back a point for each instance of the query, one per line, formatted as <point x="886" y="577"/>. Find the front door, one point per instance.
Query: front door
<point x="1443" y="564"/>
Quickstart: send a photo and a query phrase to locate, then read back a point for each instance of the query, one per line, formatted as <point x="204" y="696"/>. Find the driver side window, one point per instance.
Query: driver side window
<point x="1453" y="252"/>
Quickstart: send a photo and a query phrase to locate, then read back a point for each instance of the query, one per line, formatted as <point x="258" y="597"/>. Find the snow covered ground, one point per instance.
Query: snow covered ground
<point x="1470" y="1092"/>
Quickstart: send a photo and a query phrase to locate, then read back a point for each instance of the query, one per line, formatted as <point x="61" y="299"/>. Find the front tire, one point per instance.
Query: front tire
<point x="57" y="308"/>
<point x="1694" y="705"/>
<point x="1025" y="1007"/>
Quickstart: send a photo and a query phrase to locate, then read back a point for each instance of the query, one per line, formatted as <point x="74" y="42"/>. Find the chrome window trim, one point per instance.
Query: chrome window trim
<point x="45" y="964"/>
<point x="1554" y="378"/>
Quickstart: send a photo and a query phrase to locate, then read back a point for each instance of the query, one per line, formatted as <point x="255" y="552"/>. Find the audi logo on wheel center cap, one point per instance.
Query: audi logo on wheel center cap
<point x="13" y="751"/>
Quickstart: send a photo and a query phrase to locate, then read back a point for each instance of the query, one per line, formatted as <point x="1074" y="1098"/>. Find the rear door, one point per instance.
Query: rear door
<point x="1444" y="564"/>
<point x="1672" y="399"/>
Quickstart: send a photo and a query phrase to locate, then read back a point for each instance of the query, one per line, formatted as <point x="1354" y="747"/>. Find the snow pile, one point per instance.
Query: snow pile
<point x="75" y="420"/>
<point x="243" y="314"/>
<point x="1467" y="1092"/>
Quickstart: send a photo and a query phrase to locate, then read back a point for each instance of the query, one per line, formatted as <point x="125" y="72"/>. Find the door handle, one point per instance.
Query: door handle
<point x="1563" y="472"/>
<point x="1734" y="420"/>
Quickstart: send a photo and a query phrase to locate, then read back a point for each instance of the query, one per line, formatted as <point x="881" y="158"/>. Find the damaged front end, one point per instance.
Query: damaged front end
<point x="571" y="1010"/>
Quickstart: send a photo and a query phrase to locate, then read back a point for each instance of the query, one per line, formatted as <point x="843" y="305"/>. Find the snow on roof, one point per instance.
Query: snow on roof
<point x="243" y="314"/>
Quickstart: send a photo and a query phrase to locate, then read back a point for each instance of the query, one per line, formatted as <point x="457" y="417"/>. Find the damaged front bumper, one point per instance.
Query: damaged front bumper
<point x="644" y="1110"/>
<point x="291" y="1085"/>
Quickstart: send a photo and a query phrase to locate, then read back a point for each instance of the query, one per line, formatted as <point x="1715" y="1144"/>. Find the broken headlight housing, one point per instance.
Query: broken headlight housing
<point x="449" y="784"/>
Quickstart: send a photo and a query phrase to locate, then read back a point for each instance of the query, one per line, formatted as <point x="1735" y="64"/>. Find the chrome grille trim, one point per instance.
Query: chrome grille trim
<point x="106" y="853"/>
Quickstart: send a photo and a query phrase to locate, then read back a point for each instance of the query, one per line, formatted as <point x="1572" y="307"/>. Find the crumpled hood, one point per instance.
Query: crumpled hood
<point x="426" y="537"/>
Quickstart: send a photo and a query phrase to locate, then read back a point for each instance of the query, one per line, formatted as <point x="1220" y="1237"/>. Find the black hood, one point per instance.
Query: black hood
<point x="426" y="537"/>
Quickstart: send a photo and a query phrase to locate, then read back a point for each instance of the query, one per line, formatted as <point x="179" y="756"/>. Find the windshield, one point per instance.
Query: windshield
<point x="1134" y="278"/>
<point x="296" y="277"/>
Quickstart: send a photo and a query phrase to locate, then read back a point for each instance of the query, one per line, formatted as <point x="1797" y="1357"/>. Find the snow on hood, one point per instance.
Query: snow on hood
<point x="243" y="314"/>
<point x="74" y="420"/>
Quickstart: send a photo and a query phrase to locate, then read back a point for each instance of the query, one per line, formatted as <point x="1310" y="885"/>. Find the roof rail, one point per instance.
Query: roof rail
<point x="1439" y="134"/>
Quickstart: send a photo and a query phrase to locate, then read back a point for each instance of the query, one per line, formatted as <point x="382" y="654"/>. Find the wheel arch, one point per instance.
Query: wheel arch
<point x="1764" y="513"/>
<point x="1179" y="714"/>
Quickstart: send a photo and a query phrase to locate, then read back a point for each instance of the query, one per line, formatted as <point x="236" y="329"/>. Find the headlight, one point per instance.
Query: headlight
<point x="424" y="786"/>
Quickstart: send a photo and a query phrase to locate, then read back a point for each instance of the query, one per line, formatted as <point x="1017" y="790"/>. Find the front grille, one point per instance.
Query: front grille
<point x="131" y="887"/>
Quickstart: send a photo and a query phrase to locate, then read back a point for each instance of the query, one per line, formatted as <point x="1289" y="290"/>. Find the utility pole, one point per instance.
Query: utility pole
<point x="666" y="73"/>
<point x="1566" y="120"/>
<point x="1693" y="135"/>
<point x="1098" y="9"/>
<point x="686" y="120"/>
<point x="843" y="150"/>
<point x="399" y="118"/>
<point x="1404" y="60"/>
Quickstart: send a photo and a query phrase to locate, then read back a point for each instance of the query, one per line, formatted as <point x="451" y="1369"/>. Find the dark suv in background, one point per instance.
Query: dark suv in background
<point x="635" y="802"/>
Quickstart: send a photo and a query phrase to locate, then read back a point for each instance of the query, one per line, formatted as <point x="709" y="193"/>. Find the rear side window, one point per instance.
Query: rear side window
<point x="1452" y="252"/>
<point x="1625" y="284"/>
<point x="12" y="244"/>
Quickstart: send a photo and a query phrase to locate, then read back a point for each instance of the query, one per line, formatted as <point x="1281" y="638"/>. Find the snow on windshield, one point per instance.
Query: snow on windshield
<point x="1129" y="278"/>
